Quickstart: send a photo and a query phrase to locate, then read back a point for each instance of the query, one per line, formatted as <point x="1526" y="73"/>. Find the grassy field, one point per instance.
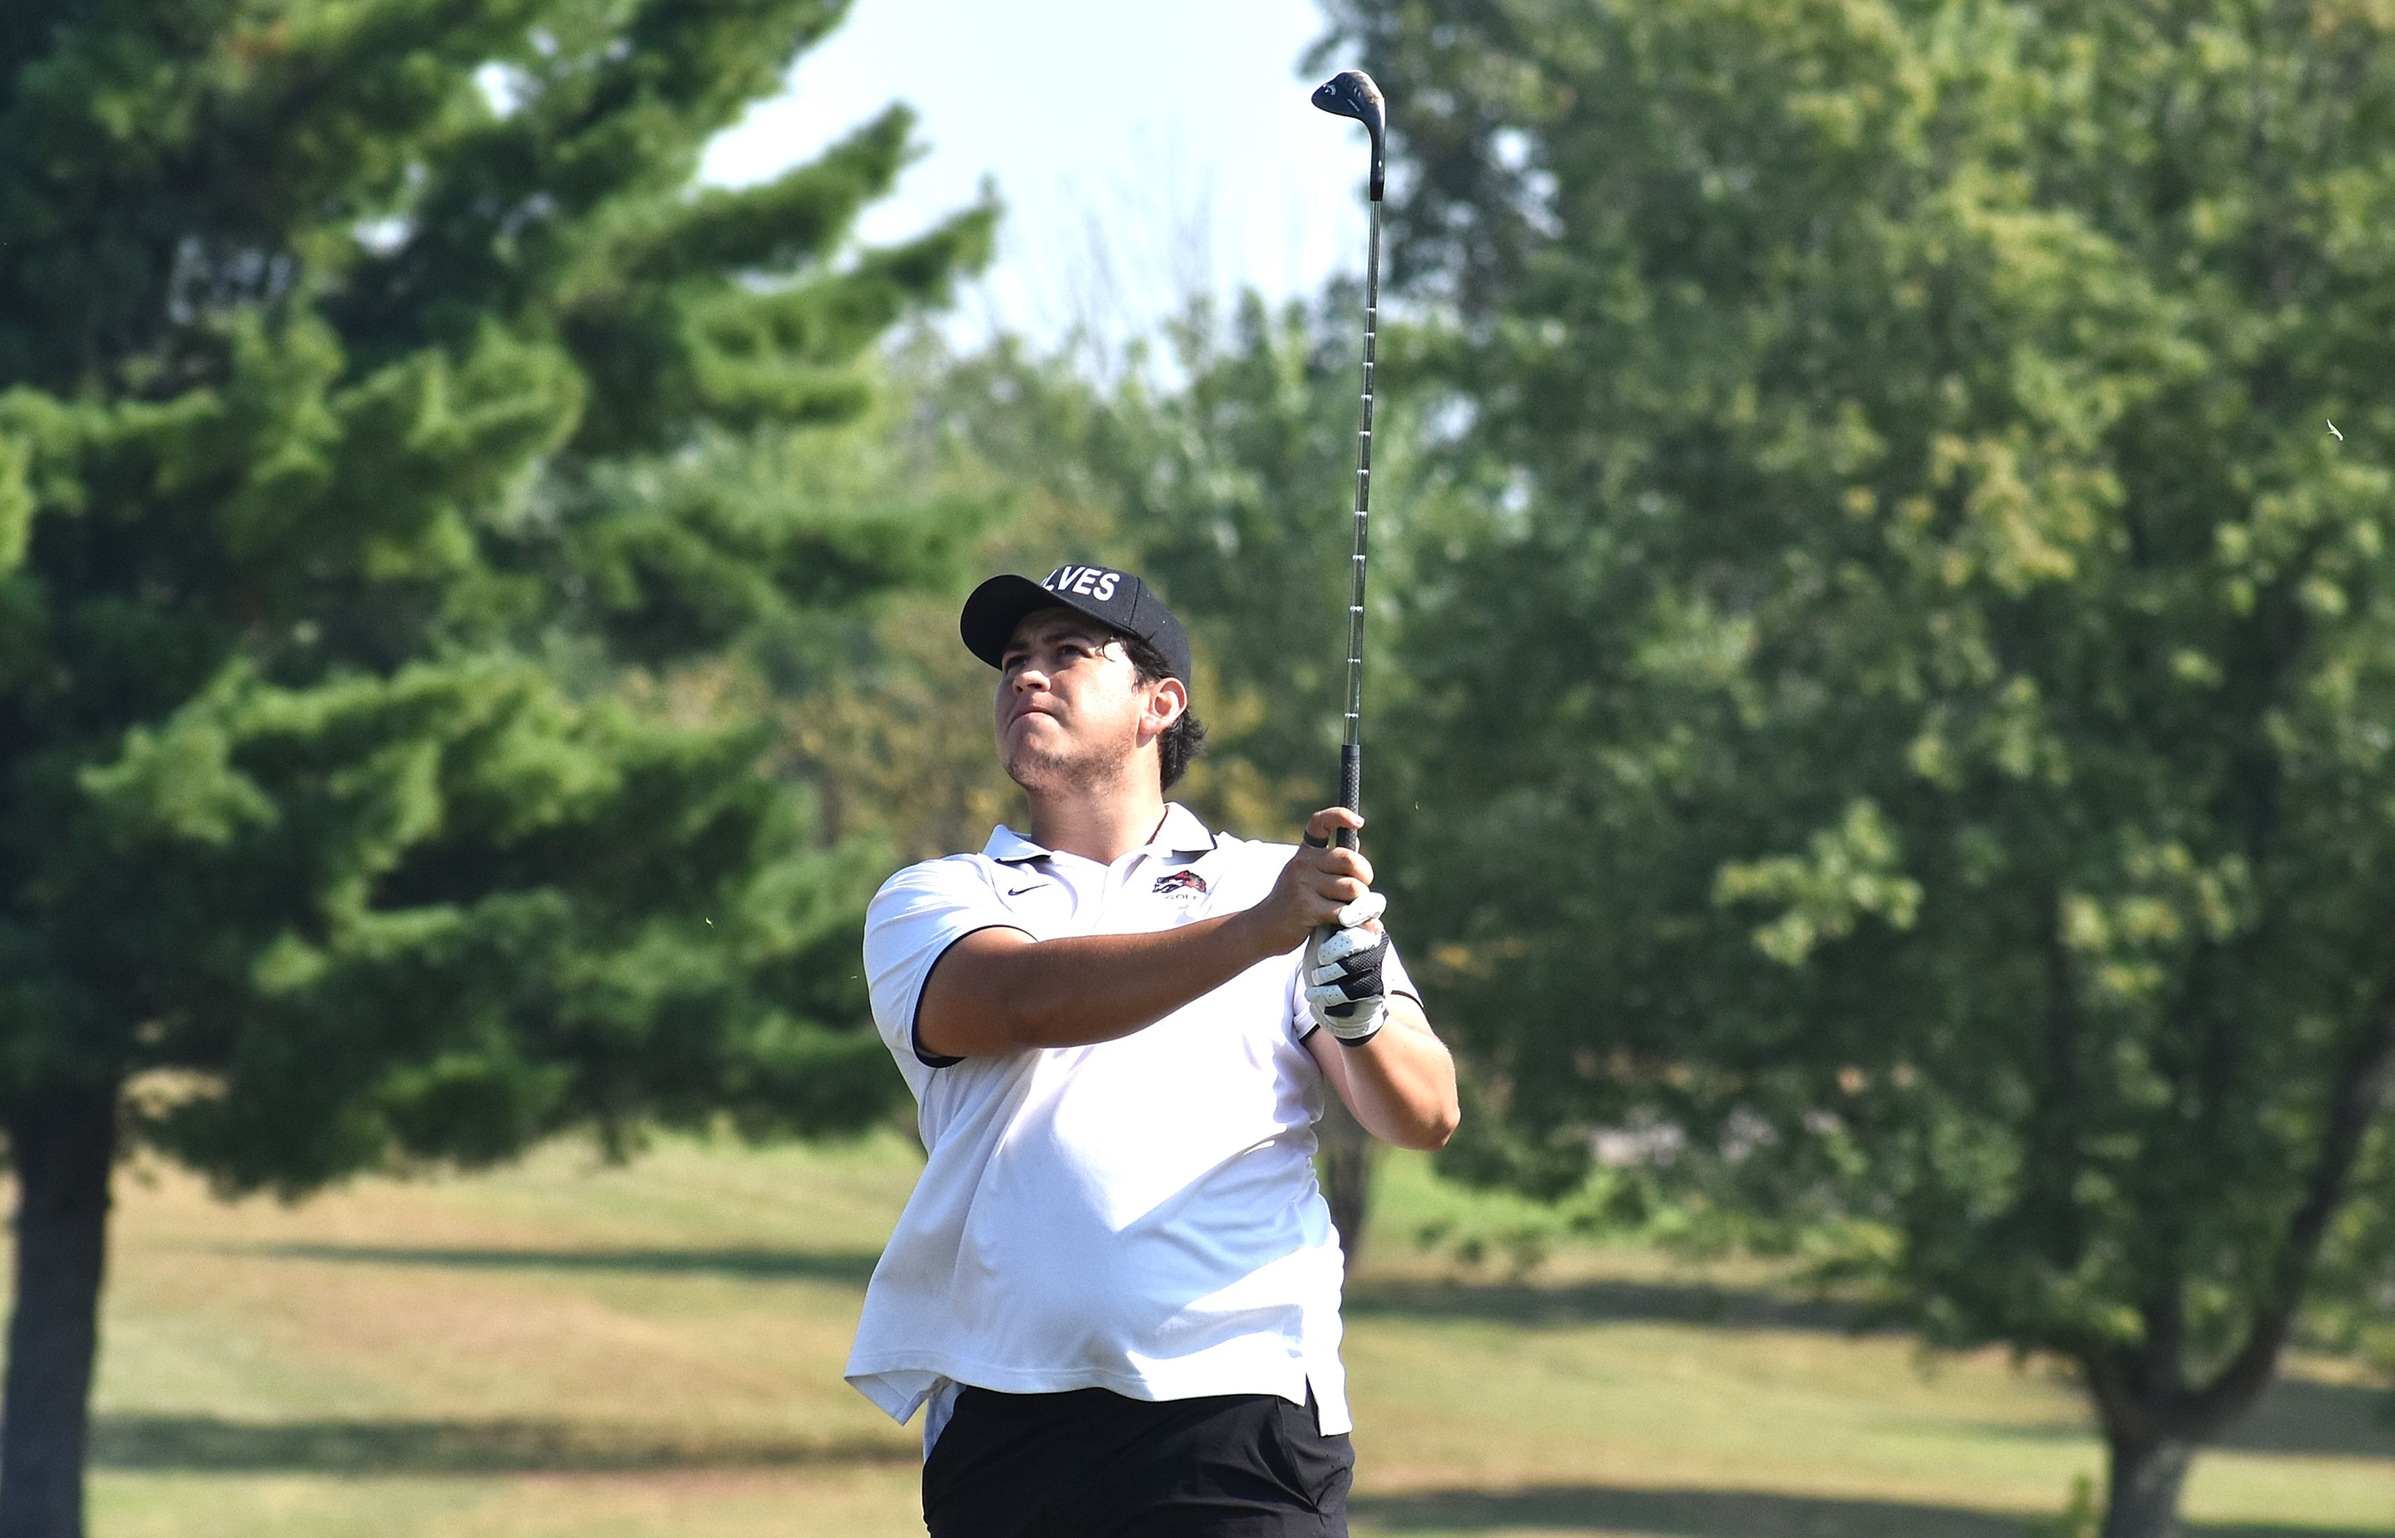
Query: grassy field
<point x="566" y="1349"/>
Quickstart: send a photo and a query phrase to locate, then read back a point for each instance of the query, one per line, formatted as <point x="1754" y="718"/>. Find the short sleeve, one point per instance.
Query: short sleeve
<point x="1395" y="979"/>
<point x="910" y="924"/>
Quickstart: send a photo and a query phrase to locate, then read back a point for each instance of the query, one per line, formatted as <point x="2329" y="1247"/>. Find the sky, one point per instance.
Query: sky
<point x="1146" y="150"/>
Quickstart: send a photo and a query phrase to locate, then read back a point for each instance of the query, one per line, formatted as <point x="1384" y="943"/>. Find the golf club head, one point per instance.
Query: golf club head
<point x="1351" y="93"/>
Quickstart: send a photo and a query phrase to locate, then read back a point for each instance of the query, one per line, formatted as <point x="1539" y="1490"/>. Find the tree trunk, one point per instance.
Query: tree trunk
<point x="1346" y="1164"/>
<point x="63" y="1141"/>
<point x="2146" y="1478"/>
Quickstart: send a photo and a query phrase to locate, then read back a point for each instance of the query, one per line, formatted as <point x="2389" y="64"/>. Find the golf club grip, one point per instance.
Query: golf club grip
<point x="1351" y="789"/>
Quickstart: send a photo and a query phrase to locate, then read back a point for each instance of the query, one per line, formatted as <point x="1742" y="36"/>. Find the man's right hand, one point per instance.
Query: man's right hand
<point x="1320" y="887"/>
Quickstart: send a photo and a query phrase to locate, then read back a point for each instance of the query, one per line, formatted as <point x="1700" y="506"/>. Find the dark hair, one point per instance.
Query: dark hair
<point x="1185" y="739"/>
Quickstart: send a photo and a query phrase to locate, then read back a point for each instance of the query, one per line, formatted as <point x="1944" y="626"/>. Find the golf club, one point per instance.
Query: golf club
<point x="1351" y="93"/>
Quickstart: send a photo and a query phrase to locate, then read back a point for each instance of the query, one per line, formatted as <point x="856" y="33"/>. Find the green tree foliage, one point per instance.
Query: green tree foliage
<point x="1237" y="480"/>
<point x="1220" y="462"/>
<point x="1086" y="463"/>
<point x="1915" y="762"/>
<point x="884" y="712"/>
<point x="391" y="432"/>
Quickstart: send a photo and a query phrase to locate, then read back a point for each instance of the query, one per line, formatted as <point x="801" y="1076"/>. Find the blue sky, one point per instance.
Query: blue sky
<point x="1144" y="150"/>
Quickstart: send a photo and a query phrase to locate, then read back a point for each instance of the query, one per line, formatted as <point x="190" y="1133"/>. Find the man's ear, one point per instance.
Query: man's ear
<point x="1168" y="704"/>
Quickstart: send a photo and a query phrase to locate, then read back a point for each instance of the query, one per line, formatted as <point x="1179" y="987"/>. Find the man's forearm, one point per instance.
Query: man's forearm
<point x="1400" y="1084"/>
<point x="999" y="990"/>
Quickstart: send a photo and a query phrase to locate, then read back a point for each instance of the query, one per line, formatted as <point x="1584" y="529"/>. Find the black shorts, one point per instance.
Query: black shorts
<point x="1094" y="1464"/>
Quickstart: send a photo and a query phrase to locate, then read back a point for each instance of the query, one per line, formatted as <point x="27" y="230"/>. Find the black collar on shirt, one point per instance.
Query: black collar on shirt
<point x="1180" y="833"/>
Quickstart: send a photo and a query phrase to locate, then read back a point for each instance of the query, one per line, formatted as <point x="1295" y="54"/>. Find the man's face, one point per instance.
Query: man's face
<point x="1071" y="713"/>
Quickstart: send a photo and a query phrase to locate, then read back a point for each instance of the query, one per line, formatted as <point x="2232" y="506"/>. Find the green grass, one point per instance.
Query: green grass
<point x="566" y="1349"/>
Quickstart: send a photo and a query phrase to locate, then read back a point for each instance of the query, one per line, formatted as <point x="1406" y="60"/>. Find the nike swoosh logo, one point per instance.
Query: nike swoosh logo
<point x="1019" y="891"/>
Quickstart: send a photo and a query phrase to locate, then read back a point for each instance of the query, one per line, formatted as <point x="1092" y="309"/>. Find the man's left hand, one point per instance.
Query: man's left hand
<point x="1344" y="991"/>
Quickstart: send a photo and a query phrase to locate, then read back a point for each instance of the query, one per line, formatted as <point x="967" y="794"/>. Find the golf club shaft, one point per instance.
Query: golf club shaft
<point x="1352" y="94"/>
<point x="1351" y="747"/>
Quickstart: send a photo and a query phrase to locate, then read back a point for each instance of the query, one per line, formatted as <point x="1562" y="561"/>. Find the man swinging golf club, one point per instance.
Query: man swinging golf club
<point x="1116" y="1285"/>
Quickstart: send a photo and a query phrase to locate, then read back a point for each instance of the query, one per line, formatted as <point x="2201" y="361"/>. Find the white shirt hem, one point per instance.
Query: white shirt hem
<point x="900" y="1385"/>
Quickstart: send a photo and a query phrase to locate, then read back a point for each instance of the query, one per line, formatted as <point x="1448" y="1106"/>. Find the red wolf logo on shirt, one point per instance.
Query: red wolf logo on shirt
<point x="1182" y="885"/>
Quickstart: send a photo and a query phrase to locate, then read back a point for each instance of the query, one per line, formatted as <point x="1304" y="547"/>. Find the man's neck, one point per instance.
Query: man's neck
<point x="1100" y="827"/>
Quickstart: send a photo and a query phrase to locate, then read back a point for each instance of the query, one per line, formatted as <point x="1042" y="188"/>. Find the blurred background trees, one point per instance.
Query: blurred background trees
<point x="1880" y="677"/>
<point x="396" y="455"/>
<point x="1918" y="755"/>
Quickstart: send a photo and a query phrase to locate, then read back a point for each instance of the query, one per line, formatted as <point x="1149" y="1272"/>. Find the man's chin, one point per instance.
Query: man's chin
<point x="1035" y="771"/>
<point x="1041" y="773"/>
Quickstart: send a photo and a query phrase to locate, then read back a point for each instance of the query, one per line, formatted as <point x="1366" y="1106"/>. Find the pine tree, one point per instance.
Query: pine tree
<point x="389" y="427"/>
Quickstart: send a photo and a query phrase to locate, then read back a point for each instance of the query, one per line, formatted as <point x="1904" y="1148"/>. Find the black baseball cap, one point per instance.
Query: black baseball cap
<point x="1115" y="599"/>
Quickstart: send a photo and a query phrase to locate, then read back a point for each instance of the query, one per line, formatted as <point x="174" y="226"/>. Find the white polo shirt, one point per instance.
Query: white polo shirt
<point x="1139" y="1215"/>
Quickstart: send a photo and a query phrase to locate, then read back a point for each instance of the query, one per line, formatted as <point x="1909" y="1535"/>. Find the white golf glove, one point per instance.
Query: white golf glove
<point x="1344" y="992"/>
